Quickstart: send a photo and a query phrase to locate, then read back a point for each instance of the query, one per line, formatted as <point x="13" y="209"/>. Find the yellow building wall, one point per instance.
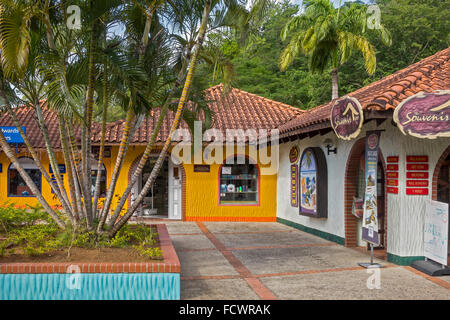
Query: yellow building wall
<point x="21" y="201"/>
<point x="201" y="200"/>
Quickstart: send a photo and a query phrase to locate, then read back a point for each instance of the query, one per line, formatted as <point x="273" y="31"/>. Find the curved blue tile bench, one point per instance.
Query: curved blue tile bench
<point x="96" y="281"/>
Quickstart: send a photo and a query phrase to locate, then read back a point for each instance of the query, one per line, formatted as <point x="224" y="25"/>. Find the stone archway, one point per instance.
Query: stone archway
<point x="437" y="170"/>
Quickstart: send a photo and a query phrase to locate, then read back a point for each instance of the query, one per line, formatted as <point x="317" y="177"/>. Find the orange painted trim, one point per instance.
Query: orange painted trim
<point x="232" y="219"/>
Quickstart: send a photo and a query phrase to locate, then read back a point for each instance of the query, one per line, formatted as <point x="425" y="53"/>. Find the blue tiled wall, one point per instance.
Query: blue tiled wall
<point x="92" y="286"/>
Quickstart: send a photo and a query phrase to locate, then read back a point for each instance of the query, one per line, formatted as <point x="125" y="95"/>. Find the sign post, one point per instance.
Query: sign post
<point x="370" y="232"/>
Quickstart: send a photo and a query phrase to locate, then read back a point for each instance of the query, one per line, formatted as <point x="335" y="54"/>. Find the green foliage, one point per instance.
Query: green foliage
<point x="419" y="28"/>
<point x="33" y="232"/>
<point x="12" y="217"/>
<point x="149" y="252"/>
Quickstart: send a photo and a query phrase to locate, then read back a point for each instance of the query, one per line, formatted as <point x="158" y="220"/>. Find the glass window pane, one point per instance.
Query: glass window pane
<point x="239" y="183"/>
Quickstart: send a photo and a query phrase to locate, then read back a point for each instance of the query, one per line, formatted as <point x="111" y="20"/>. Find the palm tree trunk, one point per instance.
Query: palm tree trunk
<point x="124" y="143"/>
<point x="30" y="183"/>
<point x="75" y="164"/>
<point x="68" y="163"/>
<point x="181" y="103"/>
<point x="87" y="129"/>
<point x="102" y="143"/>
<point x="334" y="84"/>
<point x="52" y="158"/>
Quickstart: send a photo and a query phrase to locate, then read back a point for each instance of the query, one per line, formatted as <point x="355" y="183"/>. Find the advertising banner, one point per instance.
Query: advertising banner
<point x="436" y="232"/>
<point x="370" y="219"/>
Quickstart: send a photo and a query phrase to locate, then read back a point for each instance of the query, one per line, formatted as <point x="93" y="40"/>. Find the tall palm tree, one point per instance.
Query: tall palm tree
<point x="329" y="36"/>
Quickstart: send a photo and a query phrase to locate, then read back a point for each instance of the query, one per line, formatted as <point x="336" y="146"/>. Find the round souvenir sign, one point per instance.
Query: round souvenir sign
<point x="347" y="118"/>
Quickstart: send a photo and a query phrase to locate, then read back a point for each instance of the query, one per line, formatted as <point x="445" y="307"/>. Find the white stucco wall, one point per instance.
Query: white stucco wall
<point x="404" y="212"/>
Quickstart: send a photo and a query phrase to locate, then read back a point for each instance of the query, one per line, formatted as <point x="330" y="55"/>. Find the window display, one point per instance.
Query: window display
<point x="239" y="183"/>
<point x="16" y="185"/>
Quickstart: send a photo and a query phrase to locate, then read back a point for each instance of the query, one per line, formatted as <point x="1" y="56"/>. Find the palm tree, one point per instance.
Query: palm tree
<point x="329" y="36"/>
<point x="79" y="71"/>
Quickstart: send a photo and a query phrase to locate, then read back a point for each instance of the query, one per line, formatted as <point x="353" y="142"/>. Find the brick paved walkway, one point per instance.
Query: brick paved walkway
<point x="236" y="260"/>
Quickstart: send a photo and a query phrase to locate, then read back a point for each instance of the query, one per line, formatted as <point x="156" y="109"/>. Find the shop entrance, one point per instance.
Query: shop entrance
<point x="163" y="200"/>
<point x="354" y="194"/>
<point x="442" y="187"/>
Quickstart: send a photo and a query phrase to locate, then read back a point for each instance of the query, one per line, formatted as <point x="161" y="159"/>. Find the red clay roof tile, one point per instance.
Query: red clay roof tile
<point x="426" y="75"/>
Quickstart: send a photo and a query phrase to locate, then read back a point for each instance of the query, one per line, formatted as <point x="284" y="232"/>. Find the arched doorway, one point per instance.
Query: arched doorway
<point x="441" y="182"/>
<point x="354" y="192"/>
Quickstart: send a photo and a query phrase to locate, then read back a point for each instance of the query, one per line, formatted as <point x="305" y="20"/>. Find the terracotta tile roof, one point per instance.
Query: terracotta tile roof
<point x="236" y="110"/>
<point x="429" y="74"/>
<point x="27" y="118"/>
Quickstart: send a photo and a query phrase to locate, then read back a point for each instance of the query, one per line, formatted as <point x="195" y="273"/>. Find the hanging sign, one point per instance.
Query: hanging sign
<point x="417" y="167"/>
<point x="392" y="174"/>
<point x="416" y="191"/>
<point x="424" y="115"/>
<point x="370" y="219"/>
<point x="393" y="167"/>
<point x="294" y="185"/>
<point x="417" y="183"/>
<point x="417" y="175"/>
<point x="436" y="232"/>
<point x="392" y="182"/>
<point x="293" y="154"/>
<point x="393" y="190"/>
<point x="12" y="134"/>
<point x="392" y="159"/>
<point x="347" y="118"/>
<point x="416" y="158"/>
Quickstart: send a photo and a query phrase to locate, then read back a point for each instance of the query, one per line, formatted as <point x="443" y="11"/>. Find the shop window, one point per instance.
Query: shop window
<point x="16" y="185"/>
<point x="313" y="178"/>
<point x="94" y="172"/>
<point x="239" y="182"/>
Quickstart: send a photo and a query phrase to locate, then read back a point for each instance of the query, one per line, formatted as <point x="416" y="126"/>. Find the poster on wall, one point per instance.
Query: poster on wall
<point x="308" y="183"/>
<point x="370" y="218"/>
<point x="436" y="231"/>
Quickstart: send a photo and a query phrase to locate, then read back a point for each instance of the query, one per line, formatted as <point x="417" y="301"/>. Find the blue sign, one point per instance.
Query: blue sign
<point x="12" y="134"/>
<point x="61" y="167"/>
